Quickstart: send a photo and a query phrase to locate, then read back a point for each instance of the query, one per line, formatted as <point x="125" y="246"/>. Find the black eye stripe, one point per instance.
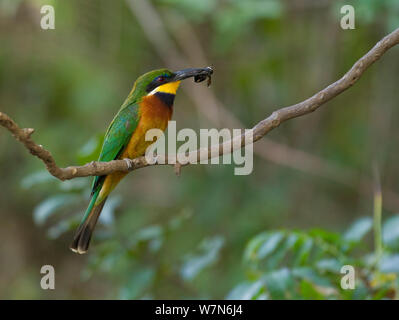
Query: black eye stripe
<point x="157" y="82"/>
<point x="162" y="77"/>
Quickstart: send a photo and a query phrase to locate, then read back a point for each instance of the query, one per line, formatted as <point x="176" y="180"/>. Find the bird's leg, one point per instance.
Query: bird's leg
<point x="177" y="167"/>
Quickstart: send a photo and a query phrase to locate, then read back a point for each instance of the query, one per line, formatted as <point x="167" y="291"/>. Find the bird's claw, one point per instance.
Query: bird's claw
<point x="128" y="163"/>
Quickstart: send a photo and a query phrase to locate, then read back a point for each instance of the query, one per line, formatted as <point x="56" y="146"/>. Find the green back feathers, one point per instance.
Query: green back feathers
<point x="125" y="122"/>
<point x="117" y="137"/>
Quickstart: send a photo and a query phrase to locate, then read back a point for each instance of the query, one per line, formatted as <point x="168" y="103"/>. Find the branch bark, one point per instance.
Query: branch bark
<point x="177" y="44"/>
<point x="258" y="131"/>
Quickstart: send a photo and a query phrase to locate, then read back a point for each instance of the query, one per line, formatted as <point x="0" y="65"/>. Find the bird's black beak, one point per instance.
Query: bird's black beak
<point x="199" y="74"/>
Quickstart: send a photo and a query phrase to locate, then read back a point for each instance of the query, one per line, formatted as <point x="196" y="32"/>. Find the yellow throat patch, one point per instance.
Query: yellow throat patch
<point x="170" y="87"/>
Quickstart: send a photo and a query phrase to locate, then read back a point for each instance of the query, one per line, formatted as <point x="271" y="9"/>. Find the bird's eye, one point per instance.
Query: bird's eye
<point x="160" y="78"/>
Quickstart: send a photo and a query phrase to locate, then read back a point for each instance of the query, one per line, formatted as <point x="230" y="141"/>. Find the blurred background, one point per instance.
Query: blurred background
<point x="311" y="205"/>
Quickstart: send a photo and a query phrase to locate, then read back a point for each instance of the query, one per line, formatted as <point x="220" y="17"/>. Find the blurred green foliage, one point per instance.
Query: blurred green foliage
<point x="307" y="265"/>
<point x="278" y="233"/>
<point x="278" y="264"/>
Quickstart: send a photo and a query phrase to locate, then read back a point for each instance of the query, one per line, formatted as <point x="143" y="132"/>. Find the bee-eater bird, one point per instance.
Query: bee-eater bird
<point x="149" y="105"/>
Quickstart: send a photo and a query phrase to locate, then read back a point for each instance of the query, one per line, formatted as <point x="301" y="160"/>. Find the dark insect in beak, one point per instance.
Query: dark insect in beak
<point x="199" y="74"/>
<point x="202" y="77"/>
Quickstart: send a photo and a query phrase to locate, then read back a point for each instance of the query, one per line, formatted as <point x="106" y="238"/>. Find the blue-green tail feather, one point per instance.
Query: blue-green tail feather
<point x="91" y="205"/>
<point x="81" y="240"/>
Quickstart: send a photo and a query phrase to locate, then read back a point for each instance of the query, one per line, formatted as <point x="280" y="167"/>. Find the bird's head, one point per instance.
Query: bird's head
<point x="165" y="81"/>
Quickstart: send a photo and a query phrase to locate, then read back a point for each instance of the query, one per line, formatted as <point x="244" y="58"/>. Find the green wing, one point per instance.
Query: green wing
<point x="117" y="137"/>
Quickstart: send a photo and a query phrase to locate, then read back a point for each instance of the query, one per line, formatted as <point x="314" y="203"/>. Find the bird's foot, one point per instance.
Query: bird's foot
<point x="177" y="167"/>
<point x="128" y="163"/>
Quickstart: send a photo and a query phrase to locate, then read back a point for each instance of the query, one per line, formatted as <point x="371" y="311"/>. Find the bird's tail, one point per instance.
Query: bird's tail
<point x="81" y="240"/>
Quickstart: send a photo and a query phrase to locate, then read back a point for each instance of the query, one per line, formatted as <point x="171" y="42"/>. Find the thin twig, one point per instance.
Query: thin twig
<point x="208" y="105"/>
<point x="259" y="130"/>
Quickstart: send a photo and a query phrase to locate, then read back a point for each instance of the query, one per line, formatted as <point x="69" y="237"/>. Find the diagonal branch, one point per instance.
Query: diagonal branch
<point x="258" y="131"/>
<point x="163" y="35"/>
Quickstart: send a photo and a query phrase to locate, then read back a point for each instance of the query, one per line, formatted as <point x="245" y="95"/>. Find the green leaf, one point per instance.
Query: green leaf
<point x="331" y="265"/>
<point x="308" y="292"/>
<point x="247" y="291"/>
<point x="358" y="229"/>
<point x="74" y="185"/>
<point x="269" y="245"/>
<point x="138" y="284"/>
<point x="390" y="232"/>
<point x="326" y="236"/>
<point x="49" y="206"/>
<point x="279" y="282"/>
<point x="262" y="245"/>
<point x="193" y="9"/>
<point x="91" y="150"/>
<point x="209" y="253"/>
<point x="282" y="251"/>
<point x="390" y="264"/>
<point x="149" y="233"/>
<point x="58" y="229"/>
<point x="36" y="178"/>
<point x="303" y="249"/>
<point x="253" y="245"/>
<point x="107" y="214"/>
<point x="309" y="274"/>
